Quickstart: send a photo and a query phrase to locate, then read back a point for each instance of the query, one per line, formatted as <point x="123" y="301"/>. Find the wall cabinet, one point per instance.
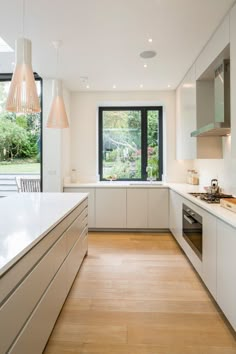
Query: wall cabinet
<point x="233" y="78"/>
<point x="110" y="206"/>
<point x="226" y="270"/>
<point x="186" y="117"/>
<point x="213" y="48"/>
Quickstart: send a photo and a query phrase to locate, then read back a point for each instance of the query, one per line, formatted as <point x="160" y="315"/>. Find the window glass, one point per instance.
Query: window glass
<point x="129" y="143"/>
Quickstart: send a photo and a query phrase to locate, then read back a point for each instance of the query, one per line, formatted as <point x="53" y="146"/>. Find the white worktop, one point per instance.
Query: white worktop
<point x="26" y="218"/>
<point x="117" y="184"/>
<point x="215" y="209"/>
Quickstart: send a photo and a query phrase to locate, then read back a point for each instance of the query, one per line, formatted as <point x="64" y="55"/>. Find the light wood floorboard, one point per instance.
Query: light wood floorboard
<point x="138" y="294"/>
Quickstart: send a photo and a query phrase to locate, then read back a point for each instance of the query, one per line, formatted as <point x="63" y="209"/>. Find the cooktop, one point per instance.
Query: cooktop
<point x="212" y="198"/>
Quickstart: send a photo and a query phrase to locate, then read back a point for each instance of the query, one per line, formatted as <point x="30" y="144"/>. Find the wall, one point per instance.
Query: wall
<point x="56" y="144"/>
<point x="84" y="129"/>
<point x="223" y="169"/>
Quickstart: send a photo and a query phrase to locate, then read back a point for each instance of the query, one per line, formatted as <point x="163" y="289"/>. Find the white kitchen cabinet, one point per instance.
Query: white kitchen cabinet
<point x="91" y="202"/>
<point x="137" y="206"/>
<point x="158" y="208"/>
<point x="192" y="103"/>
<point x="226" y="270"/>
<point x="175" y="215"/>
<point x="213" y="48"/>
<point x="233" y="79"/>
<point x="209" y="252"/>
<point x="110" y="206"/>
<point x="186" y="117"/>
<point x="38" y="288"/>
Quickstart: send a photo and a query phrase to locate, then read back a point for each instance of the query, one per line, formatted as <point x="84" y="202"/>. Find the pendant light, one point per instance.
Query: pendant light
<point x="57" y="117"/>
<point x="22" y="96"/>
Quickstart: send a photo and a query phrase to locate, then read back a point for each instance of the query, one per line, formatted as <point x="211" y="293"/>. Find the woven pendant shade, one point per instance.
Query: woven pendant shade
<point x="22" y="96"/>
<point x="57" y="117"/>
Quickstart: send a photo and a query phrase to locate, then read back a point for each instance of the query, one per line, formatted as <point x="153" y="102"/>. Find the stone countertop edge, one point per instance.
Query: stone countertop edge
<point x="36" y="234"/>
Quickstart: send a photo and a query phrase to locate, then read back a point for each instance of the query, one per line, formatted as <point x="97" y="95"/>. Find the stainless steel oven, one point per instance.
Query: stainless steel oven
<point x="192" y="229"/>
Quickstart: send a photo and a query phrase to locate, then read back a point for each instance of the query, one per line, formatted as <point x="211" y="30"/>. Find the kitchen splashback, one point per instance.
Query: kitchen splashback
<point x="223" y="169"/>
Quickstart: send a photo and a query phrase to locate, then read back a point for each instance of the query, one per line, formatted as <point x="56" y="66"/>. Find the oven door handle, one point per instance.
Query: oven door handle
<point x="189" y="219"/>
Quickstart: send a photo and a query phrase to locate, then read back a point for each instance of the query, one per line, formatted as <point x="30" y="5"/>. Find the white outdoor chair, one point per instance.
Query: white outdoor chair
<point x="29" y="185"/>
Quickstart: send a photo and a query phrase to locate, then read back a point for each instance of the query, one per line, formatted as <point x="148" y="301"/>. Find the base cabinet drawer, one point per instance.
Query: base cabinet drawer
<point x="29" y="312"/>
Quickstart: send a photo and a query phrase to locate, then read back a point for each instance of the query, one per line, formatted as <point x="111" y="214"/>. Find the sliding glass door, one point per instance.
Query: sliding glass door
<point x="20" y="140"/>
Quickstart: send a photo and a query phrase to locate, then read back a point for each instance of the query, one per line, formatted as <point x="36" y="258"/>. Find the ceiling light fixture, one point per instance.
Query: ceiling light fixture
<point x="22" y="96"/>
<point x="145" y="66"/>
<point x="141" y="85"/>
<point x="114" y="86"/>
<point x="169" y="86"/>
<point x="148" y="54"/>
<point x="87" y="86"/>
<point x="150" y="40"/>
<point x="57" y="117"/>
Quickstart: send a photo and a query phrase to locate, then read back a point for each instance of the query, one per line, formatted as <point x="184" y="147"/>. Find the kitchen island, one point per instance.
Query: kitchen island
<point x="43" y="240"/>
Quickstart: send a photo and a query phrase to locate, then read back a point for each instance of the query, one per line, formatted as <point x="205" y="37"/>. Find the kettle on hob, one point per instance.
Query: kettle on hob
<point x="214" y="189"/>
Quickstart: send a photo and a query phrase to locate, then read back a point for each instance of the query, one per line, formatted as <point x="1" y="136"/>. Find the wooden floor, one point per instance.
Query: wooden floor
<point x="137" y="294"/>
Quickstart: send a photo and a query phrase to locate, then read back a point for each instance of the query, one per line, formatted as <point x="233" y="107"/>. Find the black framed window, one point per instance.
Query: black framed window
<point x="130" y="143"/>
<point x="21" y="142"/>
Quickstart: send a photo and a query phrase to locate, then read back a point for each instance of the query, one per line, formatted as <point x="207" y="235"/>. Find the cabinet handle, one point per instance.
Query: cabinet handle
<point x="189" y="220"/>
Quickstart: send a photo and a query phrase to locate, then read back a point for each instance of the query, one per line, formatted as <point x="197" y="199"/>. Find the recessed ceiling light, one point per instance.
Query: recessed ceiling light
<point x="150" y="40"/>
<point x="147" y="54"/>
<point x="141" y="85"/>
<point x="145" y="66"/>
<point x="4" y="47"/>
<point x="169" y="86"/>
<point x="114" y="86"/>
<point x="87" y="86"/>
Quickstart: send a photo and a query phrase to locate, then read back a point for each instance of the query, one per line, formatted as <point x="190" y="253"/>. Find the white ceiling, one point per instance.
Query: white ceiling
<point x="102" y="39"/>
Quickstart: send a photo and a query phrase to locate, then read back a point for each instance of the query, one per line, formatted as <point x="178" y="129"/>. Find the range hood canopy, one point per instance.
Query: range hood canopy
<point x="221" y="124"/>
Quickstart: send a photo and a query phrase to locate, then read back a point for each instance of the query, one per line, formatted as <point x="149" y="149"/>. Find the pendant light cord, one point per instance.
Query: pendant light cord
<point x="23" y="18"/>
<point x="57" y="61"/>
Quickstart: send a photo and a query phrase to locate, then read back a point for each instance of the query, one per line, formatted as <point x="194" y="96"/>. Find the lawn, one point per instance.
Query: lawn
<point x="19" y="167"/>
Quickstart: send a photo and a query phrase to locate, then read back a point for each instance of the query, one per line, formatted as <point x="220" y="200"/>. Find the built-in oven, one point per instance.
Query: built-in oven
<point x="192" y="229"/>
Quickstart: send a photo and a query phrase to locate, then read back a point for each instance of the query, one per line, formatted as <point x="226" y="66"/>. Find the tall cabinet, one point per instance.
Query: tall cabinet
<point x="233" y="78"/>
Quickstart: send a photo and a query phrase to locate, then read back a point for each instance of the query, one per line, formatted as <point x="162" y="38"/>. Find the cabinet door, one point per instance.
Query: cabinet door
<point x="226" y="270"/>
<point x="213" y="48"/>
<point x="186" y="117"/>
<point x="175" y="215"/>
<point x="111" y="208"/>
<point x="137" y="204"/>
<point x="209" y="252"/>
<point x="158" y="208"/>
<point x="233" y="78"/>
<point x="91" y="202"/>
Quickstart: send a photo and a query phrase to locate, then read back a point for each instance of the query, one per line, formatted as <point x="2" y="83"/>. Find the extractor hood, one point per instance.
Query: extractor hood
<point x="221" y="124"/>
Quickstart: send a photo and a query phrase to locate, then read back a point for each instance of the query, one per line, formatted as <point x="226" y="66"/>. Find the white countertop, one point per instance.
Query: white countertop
<point x="117" y="184"/>
<point x="25" y="218"/>
<point x="215" y="209"/>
